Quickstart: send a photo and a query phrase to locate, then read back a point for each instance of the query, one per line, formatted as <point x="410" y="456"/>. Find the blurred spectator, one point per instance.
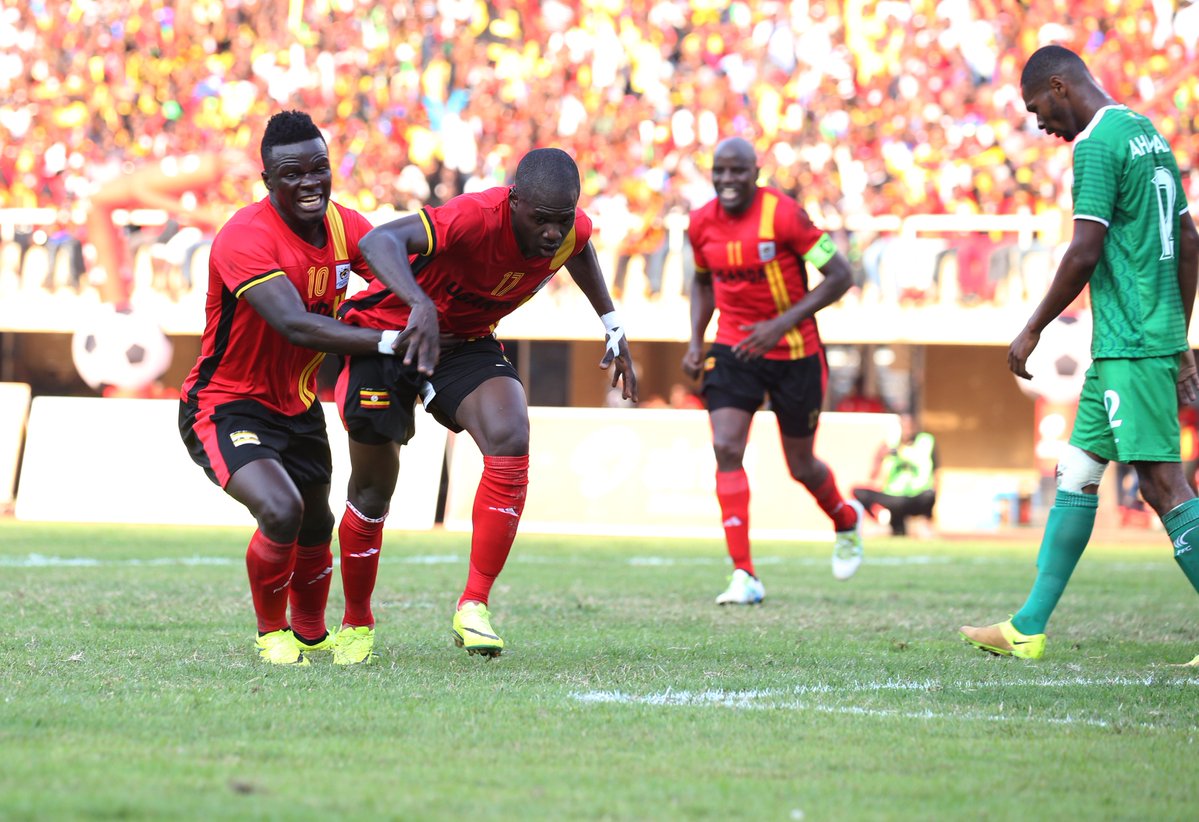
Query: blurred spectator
<point x="174" y="185"/>
<point x="683" y="397"/>
<point x="861" y="399"/>
<point x="856" y="108"/>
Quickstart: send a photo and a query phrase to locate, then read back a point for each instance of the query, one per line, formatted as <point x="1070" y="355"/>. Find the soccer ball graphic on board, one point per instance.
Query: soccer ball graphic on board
<point x="1060" y="361"/>
<point x="123" y="349"/>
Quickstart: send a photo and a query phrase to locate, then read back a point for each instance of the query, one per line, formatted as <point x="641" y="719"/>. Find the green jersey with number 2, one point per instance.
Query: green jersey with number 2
<point x="1126" y="177"/>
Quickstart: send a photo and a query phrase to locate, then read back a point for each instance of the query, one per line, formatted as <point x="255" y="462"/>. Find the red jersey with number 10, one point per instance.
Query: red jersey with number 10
<point x="474" y="271"/>
<point x="241" y="355"/>
<point x="758" y="264"/>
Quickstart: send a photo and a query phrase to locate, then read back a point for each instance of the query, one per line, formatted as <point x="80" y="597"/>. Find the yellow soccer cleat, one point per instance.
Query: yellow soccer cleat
<point x="280" y="648"/>
<point x="1003" y="639"/>
<point x="354" y="646"/>
<point x="473" y="631"/>
<point x="325" y="644"/>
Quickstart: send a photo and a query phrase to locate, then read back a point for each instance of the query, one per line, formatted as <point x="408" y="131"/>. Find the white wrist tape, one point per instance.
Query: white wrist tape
<point x="387" y="342"/>
<point x="613" y="332"/>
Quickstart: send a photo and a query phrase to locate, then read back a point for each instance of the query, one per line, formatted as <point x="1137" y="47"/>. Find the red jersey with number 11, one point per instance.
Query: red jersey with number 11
<point x="474" y="271"/>
<point x="758" y="264"/>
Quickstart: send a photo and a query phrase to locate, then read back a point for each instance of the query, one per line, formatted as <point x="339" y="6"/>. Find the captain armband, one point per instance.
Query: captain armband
<point x="823" y="251"/>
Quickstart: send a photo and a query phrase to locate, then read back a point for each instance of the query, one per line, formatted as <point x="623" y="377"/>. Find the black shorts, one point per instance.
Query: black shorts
<point x="376" y="395"/>
<point x="795" y="387"/>
<point x="223" y="438"/>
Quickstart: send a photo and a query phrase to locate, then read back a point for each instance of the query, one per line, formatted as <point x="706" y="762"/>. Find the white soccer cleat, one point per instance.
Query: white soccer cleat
<point x="847" y="548"/>
<point x="744" y="589"/>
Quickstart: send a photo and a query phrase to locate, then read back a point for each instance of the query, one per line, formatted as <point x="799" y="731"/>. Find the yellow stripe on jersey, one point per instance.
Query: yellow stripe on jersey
<point x="821" y="252"/>
<point x="307" y="396"/>
<point x="424" y="220"/>
<point x="770" y="203"/>
<point x="337" y="233"/>
<point x="782" y="301"/>
<point x="564" y="251"/>
<point x="270" y="275"/>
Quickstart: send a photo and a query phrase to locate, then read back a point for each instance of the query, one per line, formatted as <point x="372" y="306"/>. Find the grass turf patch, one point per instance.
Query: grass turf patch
<point x="623" y="693"/>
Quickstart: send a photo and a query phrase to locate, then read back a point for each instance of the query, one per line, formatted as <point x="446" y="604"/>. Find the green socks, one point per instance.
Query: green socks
<point x="1066" y="535"/>
<point x="1067" y="532"/>
<point x="1182" y="526"/>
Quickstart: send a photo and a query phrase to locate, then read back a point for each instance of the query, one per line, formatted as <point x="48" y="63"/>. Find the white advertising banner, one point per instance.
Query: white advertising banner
<point x="122" y="460"/>
<point x="651" y="472"/>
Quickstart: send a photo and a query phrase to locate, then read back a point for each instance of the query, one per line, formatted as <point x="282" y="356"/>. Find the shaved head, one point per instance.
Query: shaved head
<point x="737" y="147"/>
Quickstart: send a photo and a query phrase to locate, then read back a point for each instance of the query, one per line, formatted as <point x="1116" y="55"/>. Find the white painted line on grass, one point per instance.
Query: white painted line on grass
<point x="773" y="699"/>
<point x="718" y="696"/>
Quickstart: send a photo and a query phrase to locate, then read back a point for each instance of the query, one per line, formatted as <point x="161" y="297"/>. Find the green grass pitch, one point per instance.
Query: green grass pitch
<point x="130" y="689"/>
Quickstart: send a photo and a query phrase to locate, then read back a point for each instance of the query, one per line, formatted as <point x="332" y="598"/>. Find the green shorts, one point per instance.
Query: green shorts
<point x="1128" y="410"/>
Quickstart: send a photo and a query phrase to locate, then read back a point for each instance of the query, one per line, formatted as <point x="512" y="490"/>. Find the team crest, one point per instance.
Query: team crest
<point x="766" y="251"/>
<point x="343" y="275"/>
<point x="709" y="363"/>
<point x="240" y="438"/>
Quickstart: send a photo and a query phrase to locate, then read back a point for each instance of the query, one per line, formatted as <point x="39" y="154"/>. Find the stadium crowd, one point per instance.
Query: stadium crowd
<point x="858" y="108"/>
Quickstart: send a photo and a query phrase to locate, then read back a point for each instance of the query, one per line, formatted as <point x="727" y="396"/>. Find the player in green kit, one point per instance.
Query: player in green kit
<point x="1136" y="245"/>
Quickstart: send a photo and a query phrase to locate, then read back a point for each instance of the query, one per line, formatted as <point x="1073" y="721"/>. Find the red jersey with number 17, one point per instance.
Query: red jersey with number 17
<point x="758" y="264"/>
<point x="474" y="271"/>
<point x="241" y="355"/>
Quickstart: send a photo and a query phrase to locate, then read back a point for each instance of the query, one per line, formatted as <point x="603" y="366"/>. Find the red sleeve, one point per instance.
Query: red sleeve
<point x="460" y="222"/>
<point x="244" y="254"/>
<point x="796" y="226"/>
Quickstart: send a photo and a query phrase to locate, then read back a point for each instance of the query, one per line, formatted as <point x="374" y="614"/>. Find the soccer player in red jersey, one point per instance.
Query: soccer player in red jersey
<point x="478" y="258"/>
<point x="752" y="247"/>
<point x="277" y="272"/>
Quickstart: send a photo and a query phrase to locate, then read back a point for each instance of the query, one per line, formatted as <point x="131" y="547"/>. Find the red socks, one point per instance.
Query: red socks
<point x="829" y="499"/>
<point x="309" y="591"/>
<point x="498" y="506"/>
<point x="732" y="491"/>
<point x="361" y="539"/>
<point x="269" y="565"/>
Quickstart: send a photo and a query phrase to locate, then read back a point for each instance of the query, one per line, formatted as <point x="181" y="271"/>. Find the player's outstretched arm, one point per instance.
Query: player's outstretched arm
<point x="386" y="249"/>
<point x="585" y="270"/>
<point x="1073" y="273"/>
<point x="277" y="301"/>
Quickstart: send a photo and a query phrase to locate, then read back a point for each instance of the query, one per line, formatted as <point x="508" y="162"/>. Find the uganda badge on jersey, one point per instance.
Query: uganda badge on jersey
<point x="374" y="398"/>
<point x="766" y="250"/>
<point x="343" y="275"/>
<point x="243" y="437"/>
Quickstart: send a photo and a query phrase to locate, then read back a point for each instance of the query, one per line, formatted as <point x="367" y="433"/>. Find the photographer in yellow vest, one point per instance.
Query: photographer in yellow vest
<point x="906" y="475"/>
